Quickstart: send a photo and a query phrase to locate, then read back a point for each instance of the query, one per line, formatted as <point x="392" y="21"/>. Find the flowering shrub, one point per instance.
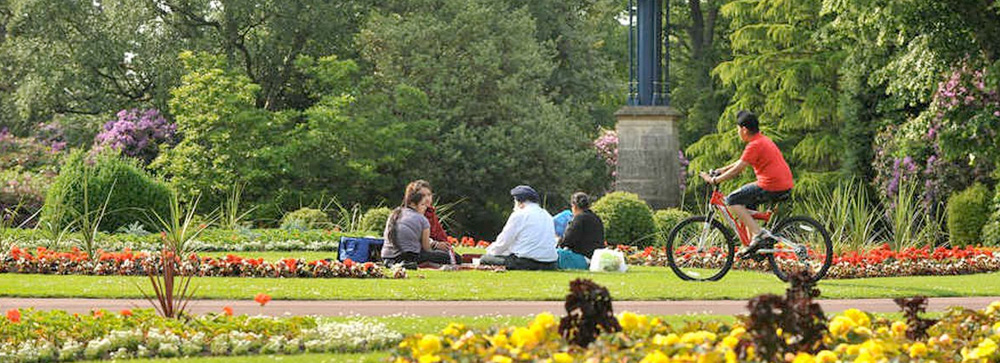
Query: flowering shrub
<point x="39" y="336"/>
<point x="136" y="133"/>
<point x="878" y="262"/>
<point x="43" y="261"/>
<point x="962" y="336"/>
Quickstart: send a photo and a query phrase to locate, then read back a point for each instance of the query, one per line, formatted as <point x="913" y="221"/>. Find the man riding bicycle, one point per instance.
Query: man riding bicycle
<point x="774" y="179"/>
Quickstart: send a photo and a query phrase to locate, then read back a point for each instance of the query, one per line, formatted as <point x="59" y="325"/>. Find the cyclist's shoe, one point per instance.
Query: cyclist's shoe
<point x="761" y="240"/>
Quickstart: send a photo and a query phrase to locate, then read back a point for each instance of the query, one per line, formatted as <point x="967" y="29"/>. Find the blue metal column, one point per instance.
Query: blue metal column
<point x="649" y="49"/>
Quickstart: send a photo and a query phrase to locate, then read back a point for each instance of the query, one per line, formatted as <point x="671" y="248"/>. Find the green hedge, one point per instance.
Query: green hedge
<point x="968" y="212"/>
<point x="305" y="218"/>
<point x="271" y="239"/>
<point x="666" y="220"/>
<point x="627" y="219"/>
<point x="134" y="193"/>
<point x="374" y="219"/>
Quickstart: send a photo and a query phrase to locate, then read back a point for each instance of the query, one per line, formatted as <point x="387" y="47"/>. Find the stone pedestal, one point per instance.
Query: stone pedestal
<point x="648" y="147"/>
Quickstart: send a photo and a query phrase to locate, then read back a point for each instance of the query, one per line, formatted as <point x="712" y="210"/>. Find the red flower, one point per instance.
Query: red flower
<point x="228" y="310"/>
<point x="126" y="312"/>
<point x="98" y="313"/>
<point x="14" y="316"/>
<point x="262" y="299"/>
<point x="348" y="263"/>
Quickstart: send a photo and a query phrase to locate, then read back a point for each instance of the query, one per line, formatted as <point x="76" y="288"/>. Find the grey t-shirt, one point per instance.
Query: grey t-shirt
<point x="408" y="232"/>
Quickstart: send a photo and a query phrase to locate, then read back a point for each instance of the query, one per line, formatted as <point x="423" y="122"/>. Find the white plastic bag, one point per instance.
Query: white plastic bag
<point x="607" y="260"/>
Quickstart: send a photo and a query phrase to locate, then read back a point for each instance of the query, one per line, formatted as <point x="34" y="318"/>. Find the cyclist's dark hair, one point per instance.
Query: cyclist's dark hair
<point x="580" y="200"/>
<point x="749" y="120"/>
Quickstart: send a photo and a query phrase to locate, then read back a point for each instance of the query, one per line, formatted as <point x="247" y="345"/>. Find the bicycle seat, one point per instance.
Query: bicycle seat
<point x="781" y="197"/>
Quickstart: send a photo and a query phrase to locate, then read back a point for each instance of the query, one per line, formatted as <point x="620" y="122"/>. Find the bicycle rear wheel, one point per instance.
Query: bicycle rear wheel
<point x="700" y="249"/>
<point x="808" y="249"/>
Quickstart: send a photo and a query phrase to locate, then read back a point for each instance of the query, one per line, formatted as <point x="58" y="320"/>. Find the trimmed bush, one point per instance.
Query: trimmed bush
<point x="991" y="231"/>
<point x="968" y="212"/>
<point x="374" y="219"/>
<point x="666" y="220"/>
<point x="134" y="193"/>
<point x="627" y="219"/>
<point x="305" y="218"/>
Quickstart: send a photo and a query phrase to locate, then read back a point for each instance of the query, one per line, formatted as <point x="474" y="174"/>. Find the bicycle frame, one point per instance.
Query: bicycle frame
<point x="717" y="203"/>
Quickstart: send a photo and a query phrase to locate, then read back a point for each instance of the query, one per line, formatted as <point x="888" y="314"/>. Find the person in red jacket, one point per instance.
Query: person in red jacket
<point x="438" y="234"/>
<point x="774" y="178"/>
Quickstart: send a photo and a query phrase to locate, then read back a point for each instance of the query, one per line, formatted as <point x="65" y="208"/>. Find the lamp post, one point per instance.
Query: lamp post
<point x="648" y="162"/>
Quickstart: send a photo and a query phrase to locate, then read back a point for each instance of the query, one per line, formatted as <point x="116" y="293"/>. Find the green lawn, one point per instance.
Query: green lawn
<point x="642" y="283"/>
<point x="307" y="255"/>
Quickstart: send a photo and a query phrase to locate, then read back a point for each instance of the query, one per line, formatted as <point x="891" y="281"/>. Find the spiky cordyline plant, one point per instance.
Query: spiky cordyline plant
<point x="170" y="285"/>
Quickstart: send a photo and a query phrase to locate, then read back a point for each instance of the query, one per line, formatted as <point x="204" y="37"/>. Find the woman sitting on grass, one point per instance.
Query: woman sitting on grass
<point x="407" y="235"/>
<point x="584" y="234"/>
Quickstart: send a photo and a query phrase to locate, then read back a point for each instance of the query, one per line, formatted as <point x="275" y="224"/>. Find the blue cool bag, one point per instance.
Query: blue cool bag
<point x="561" y="220"/>
<point x="569" y="260"/>
<point x="359" y="249"/>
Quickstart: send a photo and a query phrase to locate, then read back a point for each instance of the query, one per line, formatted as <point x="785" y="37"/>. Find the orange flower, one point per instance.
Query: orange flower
<point x="228" y="310"/>
<point x="348" y="263"/>
<point x="98" y="313"/>
<point x="262" y="299"/>
<point x="14" y="316"/>
<point x="126" y="312"/>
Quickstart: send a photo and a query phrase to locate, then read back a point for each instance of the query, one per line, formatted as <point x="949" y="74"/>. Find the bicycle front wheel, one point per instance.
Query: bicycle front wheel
<point x="803" y="245"/>
<point x="700" y="249"/>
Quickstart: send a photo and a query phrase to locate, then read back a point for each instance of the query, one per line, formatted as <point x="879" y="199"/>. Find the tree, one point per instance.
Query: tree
<point x="486" y="77"/>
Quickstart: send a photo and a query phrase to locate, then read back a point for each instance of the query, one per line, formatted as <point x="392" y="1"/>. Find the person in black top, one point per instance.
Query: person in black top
<point x="585" y="232"/>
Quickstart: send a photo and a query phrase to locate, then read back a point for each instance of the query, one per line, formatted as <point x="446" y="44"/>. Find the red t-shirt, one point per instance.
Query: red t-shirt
<point x="769" y="165"/>
<point x="437" y="230"/>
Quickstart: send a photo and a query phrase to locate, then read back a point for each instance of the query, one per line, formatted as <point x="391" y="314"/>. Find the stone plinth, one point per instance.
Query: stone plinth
<point x="648" y="162"/>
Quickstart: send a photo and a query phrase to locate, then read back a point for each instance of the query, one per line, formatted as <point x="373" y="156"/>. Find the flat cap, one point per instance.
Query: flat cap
<point x="524" y="191"/>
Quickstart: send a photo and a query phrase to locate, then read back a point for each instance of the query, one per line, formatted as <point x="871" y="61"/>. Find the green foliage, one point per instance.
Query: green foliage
<point x="968" y="212"/>
<point x="374" y="219"/>
<point x="305" y="218"/>
<point x="627" y="219"/>
<point x="666" y="220"/>
<point x="128" y="189"/>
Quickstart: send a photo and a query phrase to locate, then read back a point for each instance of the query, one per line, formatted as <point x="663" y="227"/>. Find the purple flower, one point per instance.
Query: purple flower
<point x="136" y="133"/>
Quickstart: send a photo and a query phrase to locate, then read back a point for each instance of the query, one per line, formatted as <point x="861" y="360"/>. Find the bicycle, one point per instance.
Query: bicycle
<point x="701" y="248"/>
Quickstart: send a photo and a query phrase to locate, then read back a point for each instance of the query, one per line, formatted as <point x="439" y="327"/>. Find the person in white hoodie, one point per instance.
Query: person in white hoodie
<point x="528" y="240"/>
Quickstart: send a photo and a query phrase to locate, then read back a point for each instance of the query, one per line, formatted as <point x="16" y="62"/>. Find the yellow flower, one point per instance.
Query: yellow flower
<point x="499" y="340"/>
<point x="545" y="320"/>
<point x="453" y="329"/>
<point x="500" y="359"/>
<point x="826" y="356"/>
<point x="985" y="349"/>
<point x="737" y="332"/>
<point x="859" y="317"/>
<point x="655" y="357"/>
<point x="429" y="344"/>
<point x="840" y="325"/>
<point x="873" y="347"/>
<point x="996" y="328"/>
<point x="863" y="331"/>
<point x="670" y="339"/>
<point x="918" y="350"/>
<point x="730" y="342"/>
<point x="731" y="357"/>
<point x="428" y="358"/>
<point x="899" y="329"/>
<point x="994" y="307"/>
<point x="523" y="338"/>
<point x="803" y="358"/>
<point x="631" y="322"/>
<point x="698" y="337"/>
<point x="562" y="358"/>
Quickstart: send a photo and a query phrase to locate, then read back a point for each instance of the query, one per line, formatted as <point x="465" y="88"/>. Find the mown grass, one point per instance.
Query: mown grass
<point x="641" y="283"/>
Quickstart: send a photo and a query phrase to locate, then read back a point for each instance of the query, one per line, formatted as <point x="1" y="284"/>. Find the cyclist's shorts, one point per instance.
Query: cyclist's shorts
<point x="751" y="196"/>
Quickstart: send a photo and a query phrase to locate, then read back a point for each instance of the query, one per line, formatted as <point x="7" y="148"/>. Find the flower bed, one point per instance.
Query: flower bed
<point x="35" y="336"/>
<point x="43" y="261"/>
<point x="962" y="336"/>
<point x="878" y="262"/>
